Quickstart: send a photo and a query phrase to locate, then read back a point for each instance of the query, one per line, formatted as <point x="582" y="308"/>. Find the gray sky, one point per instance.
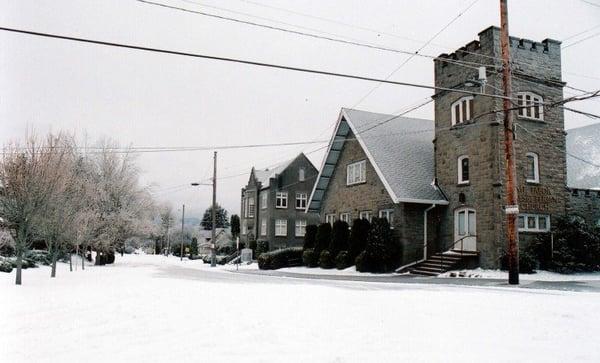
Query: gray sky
<point x="145" y="99"/>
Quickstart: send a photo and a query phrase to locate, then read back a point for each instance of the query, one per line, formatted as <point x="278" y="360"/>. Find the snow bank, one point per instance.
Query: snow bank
<point x="539" y="276"/>
<point x="159" y="309"/>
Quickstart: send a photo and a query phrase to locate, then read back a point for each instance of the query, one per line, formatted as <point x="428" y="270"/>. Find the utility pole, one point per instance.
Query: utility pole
<point x="168" y="242"/>
<point x="512" y="200"/>
<point x="182" y="219"/>
<point x="213" y="256"/>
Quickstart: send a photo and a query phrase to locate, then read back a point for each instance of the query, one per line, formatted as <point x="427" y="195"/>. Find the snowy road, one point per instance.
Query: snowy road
<point x="154" y="309"/>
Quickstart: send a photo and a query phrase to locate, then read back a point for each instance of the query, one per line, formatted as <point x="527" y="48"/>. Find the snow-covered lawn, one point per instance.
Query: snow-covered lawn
<point x="538" y="276"/>
<point x="158" y="309"/>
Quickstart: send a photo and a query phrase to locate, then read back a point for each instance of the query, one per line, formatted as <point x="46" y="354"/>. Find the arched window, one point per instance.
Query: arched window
<point x="533" y="168"/>
<point x="463" y="169"/>
<point x="530" y="106"/>
<point x="462" y="110"/>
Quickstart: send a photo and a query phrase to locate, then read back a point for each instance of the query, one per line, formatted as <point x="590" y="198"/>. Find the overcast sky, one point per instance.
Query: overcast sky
<point x="146" y="99"/>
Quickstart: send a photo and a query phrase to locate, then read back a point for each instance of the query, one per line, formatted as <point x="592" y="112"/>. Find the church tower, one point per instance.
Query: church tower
<point x="469" y="148"/>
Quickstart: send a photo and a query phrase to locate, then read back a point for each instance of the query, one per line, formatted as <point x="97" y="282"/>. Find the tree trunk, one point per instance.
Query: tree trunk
<point x="19" y="267"/>
<point x="53" y="273"/>
<point x="70" y="262"/>
<point x="83" y="259"/>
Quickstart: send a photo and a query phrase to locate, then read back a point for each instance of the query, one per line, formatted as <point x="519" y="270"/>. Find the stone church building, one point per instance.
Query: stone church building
<point x="441" y="183"/>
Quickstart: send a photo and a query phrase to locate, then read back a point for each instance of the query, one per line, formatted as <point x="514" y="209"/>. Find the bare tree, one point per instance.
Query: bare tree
<point x="166" y="221"/>
<point x="29" y="177"/>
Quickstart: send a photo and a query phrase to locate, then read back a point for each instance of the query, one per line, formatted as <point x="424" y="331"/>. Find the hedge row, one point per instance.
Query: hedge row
<point x="286" y="257"/>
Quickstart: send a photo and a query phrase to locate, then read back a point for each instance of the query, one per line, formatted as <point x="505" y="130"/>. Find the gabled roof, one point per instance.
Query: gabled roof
<point x="263" y="176"/>
<point x="583" y="143"/>
<point x="400" y="150"/>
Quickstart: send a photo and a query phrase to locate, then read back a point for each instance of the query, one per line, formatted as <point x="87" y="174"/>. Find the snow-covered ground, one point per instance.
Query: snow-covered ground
<point x="538" y="276"/>
<point x="158" y="309"/>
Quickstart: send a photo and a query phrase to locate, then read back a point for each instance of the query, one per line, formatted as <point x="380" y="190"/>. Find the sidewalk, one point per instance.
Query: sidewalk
<point x="579" y="286"/>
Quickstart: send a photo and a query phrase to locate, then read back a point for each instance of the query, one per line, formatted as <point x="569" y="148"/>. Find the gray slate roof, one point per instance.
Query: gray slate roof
<point x="401" y="151"/>
<point x="263" y="176"/>
<point x="584" y="143"/>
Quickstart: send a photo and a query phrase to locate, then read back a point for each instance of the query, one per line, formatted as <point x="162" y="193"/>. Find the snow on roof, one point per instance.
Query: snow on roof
<point x="400" y="150"/>
<point x="264" y="175"/>
<point x="583" y="143"/>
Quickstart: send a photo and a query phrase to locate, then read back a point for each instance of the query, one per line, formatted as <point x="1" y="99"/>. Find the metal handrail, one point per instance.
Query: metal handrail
<point x="445" y="248"/>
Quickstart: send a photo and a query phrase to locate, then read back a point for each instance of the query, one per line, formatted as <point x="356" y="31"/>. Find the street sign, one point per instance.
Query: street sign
<point x="511" y="209"/>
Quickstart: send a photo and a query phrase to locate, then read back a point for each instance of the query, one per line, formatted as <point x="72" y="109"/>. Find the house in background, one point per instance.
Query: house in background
<point x="222" y="235"/>
<point x="274" y="201"/>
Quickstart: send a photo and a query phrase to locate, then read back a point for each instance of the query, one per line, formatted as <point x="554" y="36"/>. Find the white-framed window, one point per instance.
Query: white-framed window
<point x="533" y="168"/>
<point x="356" y="173"/>
<point x="251" y="207"/>
<point x="263" y="227"/>
<point x="366" y="214"/>
<point x="281" y="200"/>
<point x="330" y="218"/>
<point x="345" y="217"/>
<point x="301" y="200"/>
<point x="301" y="174"/>
<point x="264" y="200"/>
<point x="389" y="215"/>
<point x="300" y="227"/>
<point x="533" y="223"/>
<point x="530" y="106"/>
<point x="244" y="227"/>
<point x="281" y="227"/>
<point x="462" y="110"/>
<point x="245" y="206"/>
<point x="463" y="169"/>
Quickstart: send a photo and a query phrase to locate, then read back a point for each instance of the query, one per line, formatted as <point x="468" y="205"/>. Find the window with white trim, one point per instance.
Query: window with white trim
<point x="389" y="215"/>
<point x="530" y="106"/>
<point x="301" y="174"/>
<point x="533" y="223"/>
<point x="461" y="110"/>
<point x="533" y="168"/>
<point x="263" y="227"/>
<point x="281" y="227"/>
<point x="345" y="217"/>
<point x="301" y="199"/>
<point x="264" y="200"/>
<point x="244" y="227"/>
<point x="245" y="206"/>
<point x="356" y="173"/>
<point x="463" y="169"/>
<point x="251" y="207"/>
<point x="366" y="214"/>
<point x="281" y="200"/>
<point x="300" y="227"/>
<point x="330" y="218"/>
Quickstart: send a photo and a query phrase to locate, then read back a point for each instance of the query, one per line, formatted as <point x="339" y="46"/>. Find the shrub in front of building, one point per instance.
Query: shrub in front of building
<point x="286" y="257"/>
<point x="326" y="260"/>
<point x="340" y="234"/>
<point x="261" y="247"/>
<point x="576" y="246"/>
<point x="310" y="236"/>
<point x="358" y="237"/>
<point x="342" y="260"/>
<point x="381" y="253"/>
<point x="528" y="260"/>
<point x="310" y="258"/>
<point x="323" y="238"/>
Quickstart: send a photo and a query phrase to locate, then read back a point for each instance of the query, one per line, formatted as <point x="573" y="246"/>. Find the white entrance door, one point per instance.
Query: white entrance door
<point x="465" y="228"/>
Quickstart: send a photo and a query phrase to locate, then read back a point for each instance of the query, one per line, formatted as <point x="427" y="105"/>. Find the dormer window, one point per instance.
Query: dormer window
<point x="463" y="169"/>
<point x="462" y="110"/>
<point x="533" y="168"/>
<point x="530" y="106"/>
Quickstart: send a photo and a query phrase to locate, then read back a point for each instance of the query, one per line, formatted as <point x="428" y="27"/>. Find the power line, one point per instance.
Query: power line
<point x="581" y="40"/>
<point x="247" y="62"/>
<point x="337" y="40"/>
<point x="590" y="3"/>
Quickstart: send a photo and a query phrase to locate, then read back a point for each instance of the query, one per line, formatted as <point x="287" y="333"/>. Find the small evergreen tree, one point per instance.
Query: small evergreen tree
<point x="381" y="253"/>
<point x="310" y="237"/>
<point x="323" y="238"/>
<point x="221" y="218"/>
<point x="358" y="237"/>
<point x="235" y="226"/>
<point x="194" y="247"/>
<point x="339" y="237"/>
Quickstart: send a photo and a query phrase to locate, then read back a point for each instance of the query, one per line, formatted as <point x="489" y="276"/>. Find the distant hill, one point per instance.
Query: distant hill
<point x="583" y="142"/>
